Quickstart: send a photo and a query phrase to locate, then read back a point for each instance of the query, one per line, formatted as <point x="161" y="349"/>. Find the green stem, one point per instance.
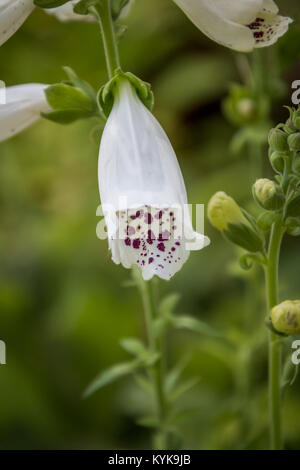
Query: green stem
<point x="157" y="371"/>
<point x="271" y="273"/>
<point x="103" y="14"/>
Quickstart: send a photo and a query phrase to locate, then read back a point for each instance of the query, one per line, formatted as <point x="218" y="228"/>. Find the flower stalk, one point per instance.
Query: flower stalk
<point x="271" y="275"/>
<point x="103" y="14"/>
<point x="155" y="345"/>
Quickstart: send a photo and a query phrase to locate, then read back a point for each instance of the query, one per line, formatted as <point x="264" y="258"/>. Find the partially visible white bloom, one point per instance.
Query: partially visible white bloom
<point x="241" y="25"/>
<point x="13" y="13"/>
<point x="142" y="191"/>
<point x="24" y="103"/>
<point x="65" y="13"/>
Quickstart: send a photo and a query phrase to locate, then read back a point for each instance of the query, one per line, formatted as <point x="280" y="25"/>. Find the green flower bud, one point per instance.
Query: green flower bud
<point x="267" y="194"/>
<point x="278" y="140"/>
<point x="294" y="142"/>
<point x="277" y="161"/>
<point x="223" y="210"/>
<point x="246" y="108"/>
<point x="225" y="215"/>
<point x="286" y="317"/>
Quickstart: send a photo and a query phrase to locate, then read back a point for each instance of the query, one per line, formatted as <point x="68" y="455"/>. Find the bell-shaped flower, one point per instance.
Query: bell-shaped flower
<point x="23" y="106"/>
<point x="13" y="13"/>
<point x="241" y="25"/>
<point x="142" y="191"/>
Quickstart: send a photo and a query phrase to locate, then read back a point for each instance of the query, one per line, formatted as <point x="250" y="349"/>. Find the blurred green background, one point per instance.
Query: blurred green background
<point x="63" y="303"/>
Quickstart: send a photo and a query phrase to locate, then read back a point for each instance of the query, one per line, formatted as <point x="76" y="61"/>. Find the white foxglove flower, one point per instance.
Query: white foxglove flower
<point x="23" y="106"/>
<point x="142" y="191"/>
<point x="241" y="25"/>
<point x="13" y="13"/>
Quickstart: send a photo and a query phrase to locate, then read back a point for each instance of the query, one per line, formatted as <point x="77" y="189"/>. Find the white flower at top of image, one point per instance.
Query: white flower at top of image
<point x="24" y="105"/>
<point x="142" y="191"/>
<point x="13" y="13"/>
<point x="241" y="25"/>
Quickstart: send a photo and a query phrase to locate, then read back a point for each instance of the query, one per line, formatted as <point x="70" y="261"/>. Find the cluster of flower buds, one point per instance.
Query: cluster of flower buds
<point x="284" y="141"/>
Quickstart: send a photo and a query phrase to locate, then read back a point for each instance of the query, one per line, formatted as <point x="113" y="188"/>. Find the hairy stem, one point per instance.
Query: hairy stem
<point x="103" y="14"/>
<point x="157" y="371"/>
<point x="271" y="273"/>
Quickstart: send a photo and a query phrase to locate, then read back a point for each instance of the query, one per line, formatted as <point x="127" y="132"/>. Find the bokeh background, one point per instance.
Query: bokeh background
<point x="64" y="305"/>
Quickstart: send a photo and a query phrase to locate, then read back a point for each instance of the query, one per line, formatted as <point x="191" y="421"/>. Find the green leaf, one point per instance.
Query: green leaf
<point x="293" y="226"/>
<point x="133" y="346"/>
<point x="110" y="375"/>
<point x="50" y="3"/>
<point x="169" y="303"/>
<point x="65" y="97"/>
<point x="183" y="388"/>
<point x="148" y="422"/>
<point x="193" y="324"/>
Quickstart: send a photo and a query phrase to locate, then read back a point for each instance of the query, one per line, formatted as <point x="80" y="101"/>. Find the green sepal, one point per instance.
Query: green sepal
<point x="64" y="97"/>
<point x="71" y="100"/>
<point x="247" y="260"/>
<point x="267" y="219"/>
<point x="270" y="326"/>
<point x="293" y="226"/>
<point x="293" y="208"/>
<point x="82" y="7"/>
<point x="50" y="3"/>
<point x="105" y="96"/>
<point x="117" y="7"/>
<point x="65" y="117"/>
<point x="244" y="236"/>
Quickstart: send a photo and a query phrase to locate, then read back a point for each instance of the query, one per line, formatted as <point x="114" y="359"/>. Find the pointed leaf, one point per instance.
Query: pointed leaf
<point x="111" y="375"/>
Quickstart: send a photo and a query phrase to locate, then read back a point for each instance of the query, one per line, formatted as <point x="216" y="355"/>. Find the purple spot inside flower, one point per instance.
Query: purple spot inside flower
<point x="136" y="243"/>
<point x="161" y="246"/>
<point x="127" y="241"/>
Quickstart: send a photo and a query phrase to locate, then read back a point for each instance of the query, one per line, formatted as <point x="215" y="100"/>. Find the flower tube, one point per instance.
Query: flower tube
<point x="241" y="25"/>
<point x="24" y="104"/>
<point x="142" y="191"/>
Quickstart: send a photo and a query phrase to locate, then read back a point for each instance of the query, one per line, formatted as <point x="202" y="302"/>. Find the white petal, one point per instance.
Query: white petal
<point x="270" y="7"/>
<point x="239" y="11"/>
<point x="13" y="13"/>
<point x="65" y="13"/>
<point x="142" y="192"/>
<point x="268" y="28"/>
<point x="24" y="103"/>
<point x="219" y="28"/>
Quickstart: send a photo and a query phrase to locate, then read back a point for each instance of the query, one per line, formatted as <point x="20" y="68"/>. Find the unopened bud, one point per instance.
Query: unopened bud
<point x="286" y="317"/>
<point x="247" y="108"/>
<point x="267" y="194"/>
<point x="294" y="142"/>
<point x="225" y="215"/>
<point x="278" y="140"/>
<point x="223" y="210"/>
